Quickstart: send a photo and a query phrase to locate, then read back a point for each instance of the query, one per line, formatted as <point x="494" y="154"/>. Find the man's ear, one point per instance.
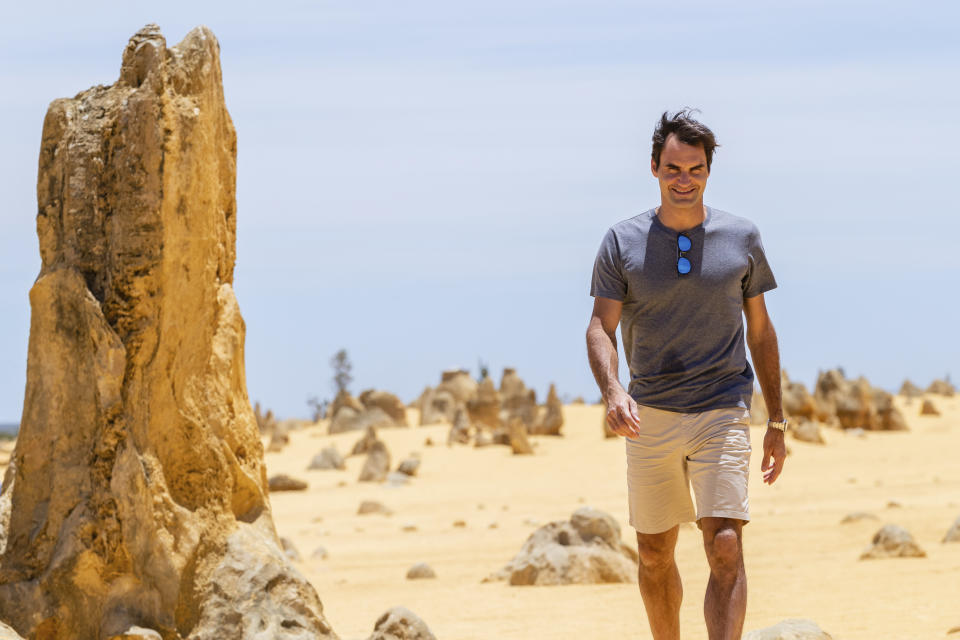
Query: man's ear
<point x="653" y="167"/>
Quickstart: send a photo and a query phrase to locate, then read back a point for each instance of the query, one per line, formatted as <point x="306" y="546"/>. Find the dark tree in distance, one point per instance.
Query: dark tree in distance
<point x="341" y="370"/>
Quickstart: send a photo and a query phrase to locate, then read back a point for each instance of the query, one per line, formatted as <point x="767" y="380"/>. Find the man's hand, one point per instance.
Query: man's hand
<point x="622" y="415"/>
<point x="773" y="447"/>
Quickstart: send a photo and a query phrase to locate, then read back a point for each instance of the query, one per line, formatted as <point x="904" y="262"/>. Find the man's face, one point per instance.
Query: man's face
<point x="682" y="173"/>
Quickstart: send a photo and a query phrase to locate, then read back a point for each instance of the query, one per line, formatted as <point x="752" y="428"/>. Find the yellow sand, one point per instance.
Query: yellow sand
<point x="801" y="562"/>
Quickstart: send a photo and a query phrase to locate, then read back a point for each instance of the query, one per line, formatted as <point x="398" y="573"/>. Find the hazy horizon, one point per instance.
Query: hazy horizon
<point x="426" y="185"/>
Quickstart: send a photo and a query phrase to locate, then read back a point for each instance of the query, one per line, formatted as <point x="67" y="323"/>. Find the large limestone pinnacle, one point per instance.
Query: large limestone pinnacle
<point x="136" y="495"/>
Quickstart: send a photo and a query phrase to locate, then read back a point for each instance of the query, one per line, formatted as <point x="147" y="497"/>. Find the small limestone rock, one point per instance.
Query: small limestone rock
<point x="893" y="541"/>
<point x="320" y="553"/>
<point x="929" y="409"/>
<point x="283" y="482"/>
<point x="953" y="533"/>
<point x="791" y="629"/>
<point x="857" y="516"/>
<point x="328" y="458"/>
<point x="377" y="465"/>
<point x="409" y="527"/>
<point x="420" y="571"/>
<point x="460" y="524"/>
<point x="893" y="504"/>
<point x="397" y="479"/>
<point x="482" y="439"/>
<point x="410" y="466"/>
<point x="807" y="431"/>
<point x="373" y="506"/>
<point x="400" y="623"/>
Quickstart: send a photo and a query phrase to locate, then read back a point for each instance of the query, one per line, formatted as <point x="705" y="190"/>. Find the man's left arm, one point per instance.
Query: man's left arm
<point x="762" y="340"/>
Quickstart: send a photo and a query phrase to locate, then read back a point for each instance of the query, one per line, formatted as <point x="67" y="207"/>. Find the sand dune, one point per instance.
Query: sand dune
<point x="801" y="561"/>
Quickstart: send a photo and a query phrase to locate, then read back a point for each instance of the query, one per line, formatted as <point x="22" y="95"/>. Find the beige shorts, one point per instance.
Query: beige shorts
<point x="708" y="450"/>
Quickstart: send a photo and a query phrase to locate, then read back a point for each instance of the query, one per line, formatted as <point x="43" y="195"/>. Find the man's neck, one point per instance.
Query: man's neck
<point x="681" y="219"/>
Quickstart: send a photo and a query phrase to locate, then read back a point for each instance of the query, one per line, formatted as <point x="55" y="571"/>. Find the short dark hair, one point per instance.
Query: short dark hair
<point x="689" y="131"/>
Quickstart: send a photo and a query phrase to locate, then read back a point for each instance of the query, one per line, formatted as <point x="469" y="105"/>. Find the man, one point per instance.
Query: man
<point x="680" y="277"/>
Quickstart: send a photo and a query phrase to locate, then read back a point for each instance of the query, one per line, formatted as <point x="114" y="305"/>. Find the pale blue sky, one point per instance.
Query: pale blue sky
<point x="426" y="183"/>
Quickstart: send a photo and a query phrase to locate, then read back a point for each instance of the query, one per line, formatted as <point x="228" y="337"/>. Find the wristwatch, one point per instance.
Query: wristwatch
<point x="779" y="426"/>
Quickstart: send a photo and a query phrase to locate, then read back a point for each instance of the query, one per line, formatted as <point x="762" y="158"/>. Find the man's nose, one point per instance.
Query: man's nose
<point x="684" y="177"/>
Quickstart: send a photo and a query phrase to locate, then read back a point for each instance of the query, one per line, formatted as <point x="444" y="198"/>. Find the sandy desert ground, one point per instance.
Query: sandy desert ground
<point x="801" y="561"/>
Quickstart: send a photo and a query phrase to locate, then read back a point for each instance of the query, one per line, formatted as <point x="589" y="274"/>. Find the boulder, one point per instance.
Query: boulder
<point x="942" y="387"/>
<point x="139" y="497"/>
<point x="283" y="482"/>
<point x="518" y="437"/>
<point x="377" y="465"/>
<point x="400" y="623"/>
<point x="953" y="533"/>
<point x="929" y="409"/>
<point x="790" y="629"/>
<point x="386" y="402"/>
<point x="551" y="422"/>
<point x="893" y="541"/>
<point x="587" y="549"/>
<point x="328" y="458"/>
<point x="421" y="571"/>
<point x="484" y="408"/>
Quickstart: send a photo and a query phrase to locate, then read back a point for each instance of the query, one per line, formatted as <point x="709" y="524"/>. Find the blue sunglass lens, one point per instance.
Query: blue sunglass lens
<point x="683" y="265"/>
<point x="683" y="242"/>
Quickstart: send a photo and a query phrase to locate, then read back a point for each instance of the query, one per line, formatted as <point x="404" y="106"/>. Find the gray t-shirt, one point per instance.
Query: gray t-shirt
<point x="683" y="334"/>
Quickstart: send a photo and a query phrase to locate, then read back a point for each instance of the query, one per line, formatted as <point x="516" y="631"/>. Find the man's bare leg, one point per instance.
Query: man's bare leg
<point x="725" y="603"/>
<point x="660" y="582"/>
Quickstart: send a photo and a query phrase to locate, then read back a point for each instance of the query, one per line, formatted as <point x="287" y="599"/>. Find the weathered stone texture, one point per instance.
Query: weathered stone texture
<point x="136" y="496"/>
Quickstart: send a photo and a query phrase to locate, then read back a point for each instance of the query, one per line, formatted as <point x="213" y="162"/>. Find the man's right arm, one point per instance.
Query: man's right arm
<point x="602" y="352"/>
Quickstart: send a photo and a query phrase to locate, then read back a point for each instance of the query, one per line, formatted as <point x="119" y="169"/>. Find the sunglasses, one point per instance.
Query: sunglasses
<point x="683" y="263"/>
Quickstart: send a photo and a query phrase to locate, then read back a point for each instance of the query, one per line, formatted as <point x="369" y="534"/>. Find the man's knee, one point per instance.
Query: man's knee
<point x="656" y="550"/>
<point x="723" y="546"/>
